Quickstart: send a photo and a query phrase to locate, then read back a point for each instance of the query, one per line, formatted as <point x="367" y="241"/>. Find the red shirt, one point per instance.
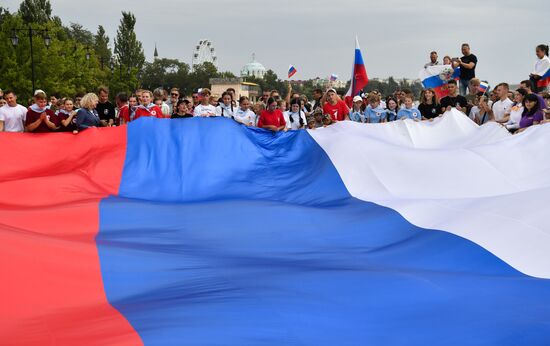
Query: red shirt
<point x="151" y="112"/>
<point x="275" y="118"/>
<point x="72" y="125"/>
<point x="338" y="111"/>
<point x="124" y="113"/>
<point x="32" y="116"/>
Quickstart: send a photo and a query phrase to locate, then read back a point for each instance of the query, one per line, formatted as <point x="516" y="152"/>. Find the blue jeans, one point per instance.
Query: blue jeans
<point x="464" y="86"/>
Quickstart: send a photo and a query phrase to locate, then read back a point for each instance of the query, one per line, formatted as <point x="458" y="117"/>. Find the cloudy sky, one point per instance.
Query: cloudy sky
<point x="318" y="37"/>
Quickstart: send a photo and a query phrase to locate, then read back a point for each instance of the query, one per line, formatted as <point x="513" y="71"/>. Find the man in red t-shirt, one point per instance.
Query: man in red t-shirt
<point x="335" y="107"/>
<point x="272" y="118"/>
<point x="146" y="108"/>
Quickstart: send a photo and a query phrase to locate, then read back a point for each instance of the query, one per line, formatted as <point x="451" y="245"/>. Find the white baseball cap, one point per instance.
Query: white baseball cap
<point x="357" y="99"/>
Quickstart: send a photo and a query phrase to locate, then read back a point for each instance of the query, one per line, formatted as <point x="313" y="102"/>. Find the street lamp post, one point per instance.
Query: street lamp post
<point x="31" y="32"/>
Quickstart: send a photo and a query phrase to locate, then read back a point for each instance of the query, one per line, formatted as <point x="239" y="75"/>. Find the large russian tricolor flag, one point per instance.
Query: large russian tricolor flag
<point x="359" y="78"/>
<point x="206" y="232"/>
<point x="436" y="77"/>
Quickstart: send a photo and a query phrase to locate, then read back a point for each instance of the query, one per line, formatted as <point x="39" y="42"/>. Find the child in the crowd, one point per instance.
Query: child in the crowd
<point x="295" y="117"/>
<point x="244" y="114"/>
<point x="356" y="114"/>
<point x="409" y="112"/>
<point x="226" y="108"/>
<point x="327" y="120"/>
<point x="204" y="108"/>
<point x="392" y="107"/>
<point x="375" y="113"/>
<point x="67" y="116"/>
<point x="182" y="110"/>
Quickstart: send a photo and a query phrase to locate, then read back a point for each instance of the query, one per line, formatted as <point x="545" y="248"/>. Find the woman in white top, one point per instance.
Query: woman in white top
<point x="204" y="109"/>
<point x="295" y="117"/>
<point x="514" y="116"/>
<point x="226" y="108"/>
<point x="539" y="77"/>
<point x="244" y="114"/>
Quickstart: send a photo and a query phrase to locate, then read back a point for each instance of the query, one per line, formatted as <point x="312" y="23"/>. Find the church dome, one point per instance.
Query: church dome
<point x="253" y="68"/>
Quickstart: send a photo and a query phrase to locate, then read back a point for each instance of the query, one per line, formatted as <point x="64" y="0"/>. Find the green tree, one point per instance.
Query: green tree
<point x="101" y="47"/>
<point x="78" y="33"/>
<point x="128" y="49"/>
<point x="166" y="73"/>
<point x="200" y="77"/>
<point x="61" y="68"/>
<point x="35" y="11"/>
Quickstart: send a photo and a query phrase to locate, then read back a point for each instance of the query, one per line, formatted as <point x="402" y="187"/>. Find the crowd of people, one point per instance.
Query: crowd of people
<point x="516" y="110"/>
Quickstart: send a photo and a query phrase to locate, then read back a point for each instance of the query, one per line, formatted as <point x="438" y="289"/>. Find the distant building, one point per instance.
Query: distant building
<point x="250" y="90"/>
<point x="325" y="82"/>
<point x="253" y="69"/>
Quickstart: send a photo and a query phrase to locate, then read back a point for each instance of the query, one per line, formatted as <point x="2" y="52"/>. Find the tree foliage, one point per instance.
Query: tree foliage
<point x="35" y="11"/>
<point x="101" y="47"/>
<point x="166" y="73"/>
<point x="128" y="49"/>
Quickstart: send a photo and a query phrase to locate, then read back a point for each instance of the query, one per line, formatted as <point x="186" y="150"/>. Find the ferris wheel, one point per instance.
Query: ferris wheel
<point x="204" y="52"/>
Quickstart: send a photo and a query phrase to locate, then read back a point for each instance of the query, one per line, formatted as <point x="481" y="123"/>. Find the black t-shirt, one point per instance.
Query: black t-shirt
<point x="105" y="111"/>
<point x="429" y="111"/>
<point x="177" y="116"/>
<point x="466" y="73"/>
<point x="453" y="102"/>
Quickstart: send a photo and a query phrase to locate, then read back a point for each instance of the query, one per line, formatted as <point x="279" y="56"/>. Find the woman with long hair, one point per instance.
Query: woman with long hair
<point x="392" y="108"/>
<point x="67" y="116"/>
<point x="272" y="118"/>
<point x="512" y="118"/>
<point x="532" y="114"/>
<point x="226" y="107"/>
<point x="429" y="107"/>
<point x="295" y="117"/>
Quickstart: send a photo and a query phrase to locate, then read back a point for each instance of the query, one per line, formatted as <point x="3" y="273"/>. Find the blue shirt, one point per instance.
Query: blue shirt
<point x="375" y="115"/>
<point x="357" y="116"/>
<point x="86" y="118"/>
<point x="409" y="113"/>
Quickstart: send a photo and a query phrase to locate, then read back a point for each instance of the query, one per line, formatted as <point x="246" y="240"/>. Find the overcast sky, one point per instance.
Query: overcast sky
<point x="318" y="37"/>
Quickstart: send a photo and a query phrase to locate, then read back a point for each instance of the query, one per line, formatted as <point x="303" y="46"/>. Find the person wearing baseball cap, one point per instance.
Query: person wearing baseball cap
<point x="356" y="113"/>
<point x="335" y="106"/>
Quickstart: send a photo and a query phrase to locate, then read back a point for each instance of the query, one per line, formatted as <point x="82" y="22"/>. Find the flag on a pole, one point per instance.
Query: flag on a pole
<point x="291" y="71"/>
<point x="333" y="77"/>
<point x="359" y="78"/>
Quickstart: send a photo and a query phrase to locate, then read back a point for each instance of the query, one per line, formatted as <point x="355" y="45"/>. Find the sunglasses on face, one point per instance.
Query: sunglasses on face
<point x="175" y="94"/>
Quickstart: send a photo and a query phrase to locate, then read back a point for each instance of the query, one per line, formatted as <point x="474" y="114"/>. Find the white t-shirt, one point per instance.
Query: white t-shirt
<point x="294" y="125"/>
<point x="225" y="111"/>
<point x="502" y="107"/>
<point x="247" y="117"/>
<point x="204" y="111"/>
<point x="13" y="118"/>
<point x="515" y="117"/>
<point x="542" y="65"/>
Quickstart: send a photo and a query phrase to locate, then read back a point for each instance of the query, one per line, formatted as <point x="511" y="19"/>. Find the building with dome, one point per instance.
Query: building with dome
<point x="253" y="69"/>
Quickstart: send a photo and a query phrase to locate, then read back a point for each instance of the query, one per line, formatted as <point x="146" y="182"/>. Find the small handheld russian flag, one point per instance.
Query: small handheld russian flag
<point x="333" y="77"/>
<point x="483" y="86"/>
<point x="291" y="71"/>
